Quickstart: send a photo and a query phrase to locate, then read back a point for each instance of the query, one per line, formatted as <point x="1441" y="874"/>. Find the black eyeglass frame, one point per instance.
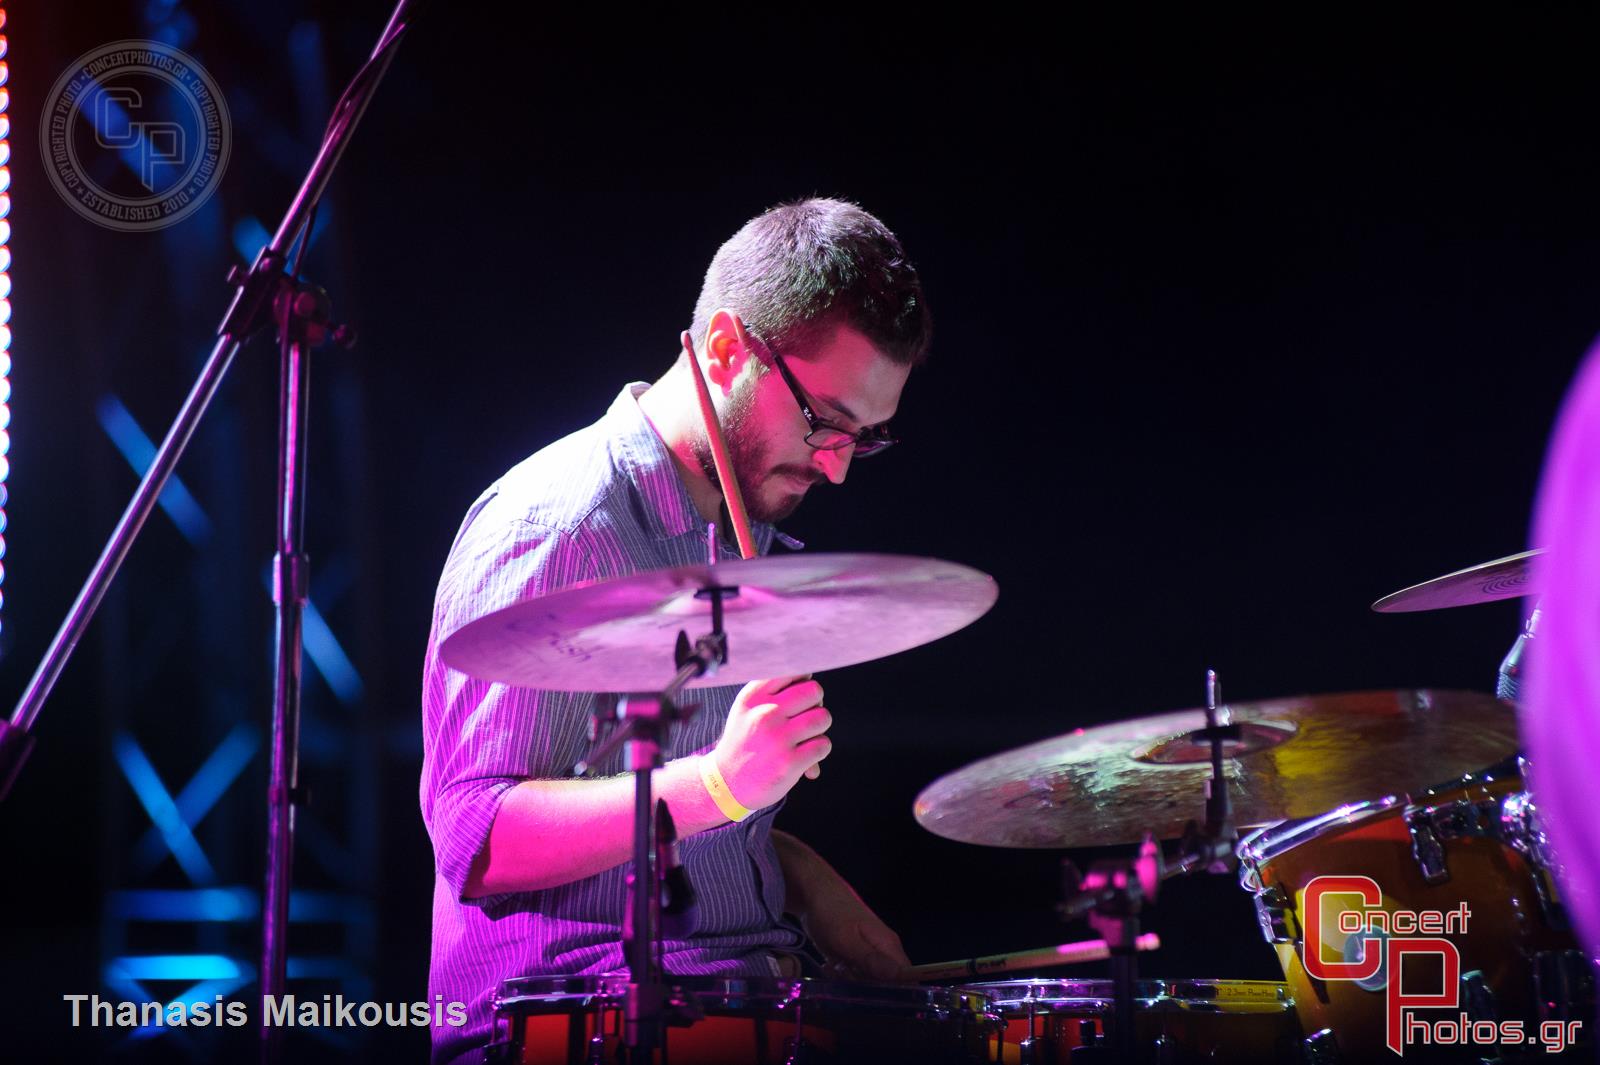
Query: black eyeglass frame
<point x="870" y="440"/>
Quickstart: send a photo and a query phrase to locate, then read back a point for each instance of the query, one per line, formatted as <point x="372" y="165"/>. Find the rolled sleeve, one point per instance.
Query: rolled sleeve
<point x="481" y="739"/>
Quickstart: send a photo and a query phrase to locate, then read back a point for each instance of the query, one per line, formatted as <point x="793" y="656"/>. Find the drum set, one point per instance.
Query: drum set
<point x="1419" y="794"/>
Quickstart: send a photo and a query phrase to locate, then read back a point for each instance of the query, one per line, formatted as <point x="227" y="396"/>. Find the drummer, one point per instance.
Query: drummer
<point x="807" y="326"/>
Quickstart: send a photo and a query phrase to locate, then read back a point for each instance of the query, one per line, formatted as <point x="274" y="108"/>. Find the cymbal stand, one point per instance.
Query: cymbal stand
<point x="1212" y="847"/>
<point x="1113" y="892"/>
<point x="1110" y="896"/>
<point x="646" y="718"/>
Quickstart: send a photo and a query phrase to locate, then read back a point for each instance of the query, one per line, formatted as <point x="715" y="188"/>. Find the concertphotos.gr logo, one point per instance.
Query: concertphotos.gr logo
<point x="1375" y="945"/>
<point x="135" y="135"/>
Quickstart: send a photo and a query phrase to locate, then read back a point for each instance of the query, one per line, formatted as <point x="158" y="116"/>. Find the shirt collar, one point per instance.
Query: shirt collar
<point x="667" y="509"/>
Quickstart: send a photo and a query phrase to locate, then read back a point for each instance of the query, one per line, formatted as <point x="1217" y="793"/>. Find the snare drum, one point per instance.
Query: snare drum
<point x="1176" y="1021"/>
<point x="578" y="1021"/>
<point x="1474" y="841"/>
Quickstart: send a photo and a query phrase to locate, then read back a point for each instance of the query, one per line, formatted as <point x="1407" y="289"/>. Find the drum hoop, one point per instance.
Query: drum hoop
<point x="1195" y="995"/>
<point x="586" y="990"/>
<point x="1273" y="841"/>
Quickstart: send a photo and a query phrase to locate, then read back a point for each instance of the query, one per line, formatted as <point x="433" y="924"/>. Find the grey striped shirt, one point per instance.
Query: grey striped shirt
<point x="603" y="502"/>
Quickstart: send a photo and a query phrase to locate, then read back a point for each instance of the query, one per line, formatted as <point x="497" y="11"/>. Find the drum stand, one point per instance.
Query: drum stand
<point x="645" y="722"/>
<point x="1113" y="892"/>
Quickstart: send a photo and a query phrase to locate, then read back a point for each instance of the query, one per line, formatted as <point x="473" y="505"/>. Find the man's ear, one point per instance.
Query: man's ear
<point x="727" y="351"/>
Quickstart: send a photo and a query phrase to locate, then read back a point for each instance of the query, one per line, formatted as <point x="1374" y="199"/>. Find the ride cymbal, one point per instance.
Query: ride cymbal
<point x="1111" y="784"/>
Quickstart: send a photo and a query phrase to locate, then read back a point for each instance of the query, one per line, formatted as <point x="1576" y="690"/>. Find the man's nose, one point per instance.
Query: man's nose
<point x="835" y="463"/>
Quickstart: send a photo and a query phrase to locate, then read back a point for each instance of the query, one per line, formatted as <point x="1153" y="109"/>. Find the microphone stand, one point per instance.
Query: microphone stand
<point x="264" y="294"/>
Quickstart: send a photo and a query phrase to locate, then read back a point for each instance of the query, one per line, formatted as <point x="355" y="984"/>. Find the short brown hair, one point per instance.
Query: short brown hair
<point x="799" y="270"/>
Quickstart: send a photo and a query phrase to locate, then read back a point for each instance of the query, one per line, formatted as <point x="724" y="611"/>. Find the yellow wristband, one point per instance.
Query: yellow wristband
<point x="711" y="777"/>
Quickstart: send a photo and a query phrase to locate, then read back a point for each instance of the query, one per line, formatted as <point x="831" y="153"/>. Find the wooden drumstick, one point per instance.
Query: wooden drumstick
<point x="719" y="454"/>
<point x="1039" y="958"/>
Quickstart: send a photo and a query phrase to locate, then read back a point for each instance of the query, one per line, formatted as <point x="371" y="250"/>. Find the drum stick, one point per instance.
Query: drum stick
<point x="1042" y="957"/>
<point x="719" y="455"/>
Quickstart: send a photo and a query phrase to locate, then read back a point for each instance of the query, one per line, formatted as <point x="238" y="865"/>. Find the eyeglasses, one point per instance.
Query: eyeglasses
<point x="824" y="435"/>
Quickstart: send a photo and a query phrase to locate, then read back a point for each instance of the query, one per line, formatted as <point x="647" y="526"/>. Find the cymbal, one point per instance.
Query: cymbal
<point x="1504" y="578"/>
<point x="1296" y="757"/>
<point x="793" y="614"/>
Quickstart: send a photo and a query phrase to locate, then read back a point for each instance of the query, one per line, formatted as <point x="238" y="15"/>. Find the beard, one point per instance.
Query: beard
<point x="747" y="451"/>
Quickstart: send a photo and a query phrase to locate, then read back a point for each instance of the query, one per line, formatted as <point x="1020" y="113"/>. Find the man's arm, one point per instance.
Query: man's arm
<point x="854" y="940"/>
<point x="552" y="832"/>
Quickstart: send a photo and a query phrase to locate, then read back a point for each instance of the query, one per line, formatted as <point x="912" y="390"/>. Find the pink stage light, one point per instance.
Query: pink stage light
<point x="1561" y="714"/>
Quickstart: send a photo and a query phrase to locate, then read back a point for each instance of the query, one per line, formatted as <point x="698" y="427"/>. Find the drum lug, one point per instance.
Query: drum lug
<point x="1320" y="1048"/>
<point x="1431" y="826"/>
<point x="1518" y="827"/>
<point x="1272" y="911"/>
<point x="1563" y="985"/>
<point x="1477" y="997"/>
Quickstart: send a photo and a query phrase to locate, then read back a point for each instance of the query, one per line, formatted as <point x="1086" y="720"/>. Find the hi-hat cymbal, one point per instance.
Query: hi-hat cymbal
<point x="1296" y="757"/>
<point x="1504" y="578"/>
<point x="793" y="614"/>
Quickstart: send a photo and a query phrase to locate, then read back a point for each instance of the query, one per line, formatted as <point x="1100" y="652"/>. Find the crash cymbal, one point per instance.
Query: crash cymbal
<point x="793" y="614"/>
<point x="1504" y="578"/>
<point x="1296" y="757"/>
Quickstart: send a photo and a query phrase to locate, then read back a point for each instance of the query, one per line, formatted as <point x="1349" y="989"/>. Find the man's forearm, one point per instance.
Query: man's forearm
<point x="807" y="878"/>
<point x="552" y="832"/>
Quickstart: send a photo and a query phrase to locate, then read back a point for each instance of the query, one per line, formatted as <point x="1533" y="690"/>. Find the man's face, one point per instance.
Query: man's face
<point x="848" y="383"/>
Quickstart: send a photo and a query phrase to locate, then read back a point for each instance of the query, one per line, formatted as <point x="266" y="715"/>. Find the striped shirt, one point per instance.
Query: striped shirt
<point x="604" y="502"/>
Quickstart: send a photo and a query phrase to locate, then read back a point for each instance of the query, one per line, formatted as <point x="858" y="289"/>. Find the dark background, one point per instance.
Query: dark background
<point x="1238" y="327"/>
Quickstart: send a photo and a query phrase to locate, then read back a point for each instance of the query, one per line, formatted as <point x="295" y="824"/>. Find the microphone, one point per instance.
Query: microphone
<point x="1510" y="683"/>
<point x="680" y="915"/>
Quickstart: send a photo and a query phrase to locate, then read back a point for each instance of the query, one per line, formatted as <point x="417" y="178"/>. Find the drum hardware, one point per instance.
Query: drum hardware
<point x="1510" y="683"/>
<point x="1320" y="1048"/>
<point x="1064" y="1022"/>
<point x="1509" y="819"/>
<point x="1564" y="985"/>
<point x="1110" y="897"/>
<point x="645" y="721"/>
<point x="1274" y="912"/>
<point x="1113" y="892"/>
<point x="1519" y="826"/>
<point x="1477" y="998"/>
<point x="572" y="1021"/>
<point x="1431" y="826"/>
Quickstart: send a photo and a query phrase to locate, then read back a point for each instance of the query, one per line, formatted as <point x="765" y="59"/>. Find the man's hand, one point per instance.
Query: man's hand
<point x="776" y="732"/>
